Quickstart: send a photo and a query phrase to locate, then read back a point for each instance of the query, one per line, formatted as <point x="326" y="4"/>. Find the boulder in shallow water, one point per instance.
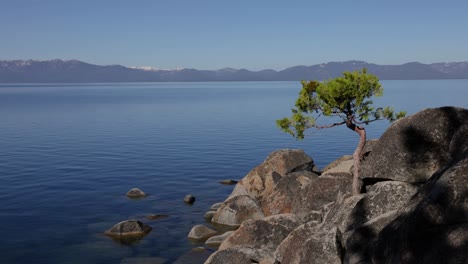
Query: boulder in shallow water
<point x="201" y="232"/>
<point x="135" y="193"/>
<point x="129" y="228"/>
<point x="189" y="199"/>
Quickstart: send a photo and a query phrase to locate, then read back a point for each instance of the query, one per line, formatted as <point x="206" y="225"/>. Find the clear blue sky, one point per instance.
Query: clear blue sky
<point x="251" y="34"/>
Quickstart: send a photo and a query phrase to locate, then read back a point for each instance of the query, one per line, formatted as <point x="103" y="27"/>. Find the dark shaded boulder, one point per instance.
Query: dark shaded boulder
<point x="201" y="233"/>
<point x="264" y="235"/>
<point x="415" y="147"/>
<point x="432" y="227"/>
<point x="237" y="209"/>
<point x="277" y="164"/>
<point x="381" y="198"/>
<point x="129" y="228"/>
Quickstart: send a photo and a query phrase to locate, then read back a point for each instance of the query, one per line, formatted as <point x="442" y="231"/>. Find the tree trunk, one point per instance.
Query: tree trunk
<point x="357" y="155"/>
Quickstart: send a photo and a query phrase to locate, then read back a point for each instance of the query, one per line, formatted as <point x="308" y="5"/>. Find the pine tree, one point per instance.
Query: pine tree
<point x="349" y="99"/>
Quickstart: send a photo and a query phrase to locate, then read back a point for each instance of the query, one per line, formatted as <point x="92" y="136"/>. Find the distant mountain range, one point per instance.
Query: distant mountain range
<point x="74" y="71"/>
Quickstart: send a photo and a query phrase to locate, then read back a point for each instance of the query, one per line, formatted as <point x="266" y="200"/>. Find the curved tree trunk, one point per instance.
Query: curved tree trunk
<point x="357" y="155"/>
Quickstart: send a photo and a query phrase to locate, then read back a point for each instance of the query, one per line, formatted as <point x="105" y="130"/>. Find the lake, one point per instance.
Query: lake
<point x="70" y="152"/>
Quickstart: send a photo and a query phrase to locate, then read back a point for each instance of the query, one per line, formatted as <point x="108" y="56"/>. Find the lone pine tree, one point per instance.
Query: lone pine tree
<point x="348" y="98"/>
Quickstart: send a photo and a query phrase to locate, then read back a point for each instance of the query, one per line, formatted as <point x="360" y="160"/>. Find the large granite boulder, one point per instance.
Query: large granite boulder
<point x="432" y="227"/>
<point x="381" y="198"/>
<point x="264" y="235"/>
<point x="319" y="192"/>
<point x="415" y="147"/>
<point x="281" y="162"/>
<point x="236" y="210"/>
<point x="318" y="248"/>
<point x="281" y="198"/>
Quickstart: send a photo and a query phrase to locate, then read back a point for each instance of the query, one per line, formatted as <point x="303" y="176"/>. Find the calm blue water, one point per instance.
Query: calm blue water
<point x="69" y="153"/>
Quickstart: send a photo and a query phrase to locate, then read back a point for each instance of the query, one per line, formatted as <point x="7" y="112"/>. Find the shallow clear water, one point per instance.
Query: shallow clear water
<point x="69" y="153"/>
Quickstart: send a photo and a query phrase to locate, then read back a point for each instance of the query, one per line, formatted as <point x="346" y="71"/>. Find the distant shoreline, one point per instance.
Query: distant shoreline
<point x="73" y="71"/>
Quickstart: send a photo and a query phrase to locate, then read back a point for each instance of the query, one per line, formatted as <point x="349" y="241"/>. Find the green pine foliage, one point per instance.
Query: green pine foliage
<point x="348" y="97"/>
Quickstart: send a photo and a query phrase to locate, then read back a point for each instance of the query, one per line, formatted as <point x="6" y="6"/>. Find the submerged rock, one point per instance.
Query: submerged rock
<point x="228" y="182"/>
<point x="189" y="199"/>
<point x="156" y="216"/>
<point x="135" y="193"/>
<point x="129" y="228"/>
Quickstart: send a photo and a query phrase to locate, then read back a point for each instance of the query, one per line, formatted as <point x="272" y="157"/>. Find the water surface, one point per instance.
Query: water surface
<point x="69" y="153"/>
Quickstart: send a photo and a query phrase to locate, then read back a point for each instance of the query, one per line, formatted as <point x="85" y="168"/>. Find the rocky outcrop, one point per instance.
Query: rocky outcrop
<point x="276" y="165"/>
<point x="413" y="209"/>
<point x="415" y="147"/>
<point x="262" y="236"/>
<point x="433" y="227"/>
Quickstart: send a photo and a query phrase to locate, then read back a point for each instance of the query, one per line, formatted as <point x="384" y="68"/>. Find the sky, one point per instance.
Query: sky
<point x="253" y="34"/>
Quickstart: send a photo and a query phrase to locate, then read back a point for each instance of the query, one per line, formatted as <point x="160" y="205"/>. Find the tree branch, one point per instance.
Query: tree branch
<point x="332" y="125"/>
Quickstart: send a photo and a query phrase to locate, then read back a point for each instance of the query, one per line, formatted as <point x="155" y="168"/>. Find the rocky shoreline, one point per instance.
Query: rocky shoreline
<point x="413" y="207"/>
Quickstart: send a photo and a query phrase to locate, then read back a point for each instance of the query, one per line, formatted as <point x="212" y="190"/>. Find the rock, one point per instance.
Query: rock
<point x="189" y="199"/>
<point x="156" y="216"/>
<point x="234" y="255"/>
<point x="295" y="240"/>
<point x="382" y="197"/>
<point x="228" y="182"/>
<point x="281" y="162"/>
<point x="129" y="228"/>
<point x="236" y="210"/>
<point x="143" y="260"/>
<point x="320" y="247"/>
<point x="201" y="232"/>
<point x="135" y="193"/>
<point x="197" y="255"/>
<point x="215" y="206"/>
<point x="358" y="242"/>
<point x="432" y="227"/>
<point x="263" y="235"/>
<point x="215" y="241"/>
<point x="209" y="215"/>
<point x="337" y="162"/>
<point x="340" y="168"/>
<point x="280" y="199"/>
<point x="368" y="147"/>
<point x="415" y="147"/>
<point x="321" y="191"/>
